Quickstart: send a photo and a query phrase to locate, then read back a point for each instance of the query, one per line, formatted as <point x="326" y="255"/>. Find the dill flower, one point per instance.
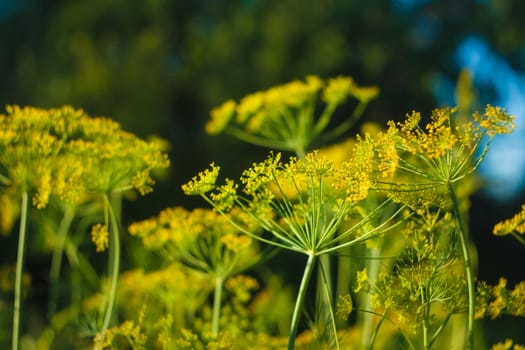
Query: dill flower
<point x="507" y="345"/>
<point x="514" y="226"/>
<point x="206" y="242"/>
<point x="324" y="195"/>
<point x="284" y="116"/>
<point x="443" y="152"/>
<point x="27" y="152"/>
<point x="422" y="289"/>
<point x="220" y="117"/>
<point x="203" y="182"/>
<point x="361" y="279"/>
<point x="201" y="238"/>
<point x="65" y="152"/>
<point x="308" y="205"/>
<point x="438" y="156"/>
<point x="127" y="330"/>
<point x="495" y="301"/>
<point x="117" y="162"/>
<point x="100" y="236"/>
<point x="338" y="90"/>
<point x="344" y="306"/>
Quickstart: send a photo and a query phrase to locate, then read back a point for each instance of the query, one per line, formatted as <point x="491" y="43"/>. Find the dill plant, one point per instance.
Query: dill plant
<point x="296" y="117"/>
<point x="302" y="204"/>
<point x="204" y="241"/>
<point x="433" y="160"/>
<point x="292" y="117"/>
<point x="66" y="154"/>
<point x="416" y="166"/>
<point x="411" y="180"/>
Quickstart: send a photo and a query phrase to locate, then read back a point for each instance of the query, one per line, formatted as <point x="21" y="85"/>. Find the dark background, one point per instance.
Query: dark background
<point x="159" y="66"/>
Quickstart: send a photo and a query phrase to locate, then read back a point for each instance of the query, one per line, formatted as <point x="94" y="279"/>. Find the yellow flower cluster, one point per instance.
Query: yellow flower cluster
<point x="201" y="238"/>
<point x="66" y="153"/>
<point x="424" y="277"/>
<point x="507" y="345"/>
<point x="100" y="236"/>
<point x="344" y="306"/>
<point x="241" y="286"/>
<point x="495" y="120"/>
<point x="494" y="301"/>
<point x="28" y="147"/>
<point x="442" y="152"/>
<point x="361" y="280"/>
<point x="127" y="330"/>
<point x="283" y="117"/>
<point x="172" y="284"/>
<point x="516" y="224"/>
<point x="302" y="201"/>
<point x="355" y="175"/>
<point x="203" y="182"/>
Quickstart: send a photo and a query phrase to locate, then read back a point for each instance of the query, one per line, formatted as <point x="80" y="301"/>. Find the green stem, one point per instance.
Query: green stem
<point x="19" y="271"/>
<point x="426" y="318"/>
<point x="344" y="126"/>
<point x="114" y="265"/>
<point x="56" y="260"/>
<point x="373" y="336"/>
<point x="468" y="266"/>
<point x="439" y="330"/>
<point x="324" y="287"/>
<point x="373" y="271"/>
<point x="217" y="297"/>
<point x="300" y="300"/>
<point x="328" y="293"/>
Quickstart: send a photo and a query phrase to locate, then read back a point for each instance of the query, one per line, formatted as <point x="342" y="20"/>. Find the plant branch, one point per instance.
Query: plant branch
<point x="300" y="300"/>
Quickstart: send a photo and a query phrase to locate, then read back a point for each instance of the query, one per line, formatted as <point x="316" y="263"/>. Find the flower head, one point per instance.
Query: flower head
<point x="283" y="117"/>
<point x="442" y="152"/>
<point x="100" y="236"/>
<point x="516" y="224"/>
<point x="65" y="152"/>
<point x="302" y="202"/>
<point x="220" y="117"/>
<point x="202" y="183"/>
<point x="202" y="239"/>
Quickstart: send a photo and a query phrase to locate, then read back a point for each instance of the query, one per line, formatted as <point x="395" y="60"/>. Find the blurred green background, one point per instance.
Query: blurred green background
<point x="159" y="66"/>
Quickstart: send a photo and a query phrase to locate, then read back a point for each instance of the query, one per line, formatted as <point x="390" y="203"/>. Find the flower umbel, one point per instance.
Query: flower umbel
<point x="202" y="183"/>
<point x="514" y="226"/>
<point x="443" y="152"/>
<point x="284" y="117"/>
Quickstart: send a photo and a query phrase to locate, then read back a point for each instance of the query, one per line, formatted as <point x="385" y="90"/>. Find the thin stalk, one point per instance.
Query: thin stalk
<point x="426" y="320"/>
<point x="468" y="267"/>
<point x="344" y="126"/>
<point x="328" y="292"/>
<point x="219" y="281"/>
<point x="310" y="263"/>
<point x="373" y="336"/>
<point x="439" y="330"/>
<point x="373" y="271"/>
<point x="56" y="259"/>
<point x="114" y="265"/>
<point x="19" y="271"/>
<point x="324" y="286"/>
